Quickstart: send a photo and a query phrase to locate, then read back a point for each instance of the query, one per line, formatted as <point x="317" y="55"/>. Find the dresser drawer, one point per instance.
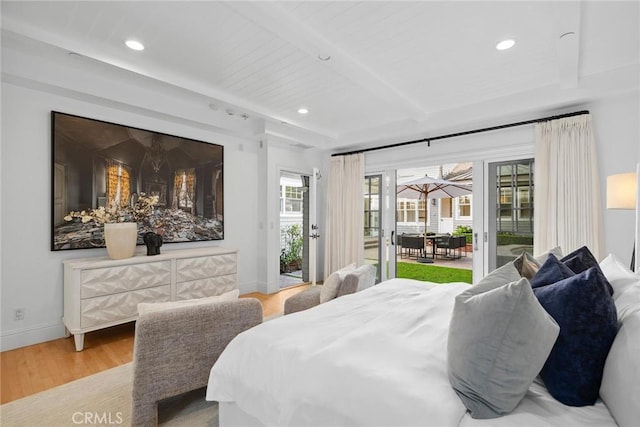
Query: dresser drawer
<point x="110" y="308"/>
<point x="207" y="287"/>
<point x="107" y="281"/>
<point x="206" y="266"/>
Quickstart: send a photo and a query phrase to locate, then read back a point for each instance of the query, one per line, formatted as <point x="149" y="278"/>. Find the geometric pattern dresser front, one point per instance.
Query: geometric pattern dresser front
<point x="100" y="292"/>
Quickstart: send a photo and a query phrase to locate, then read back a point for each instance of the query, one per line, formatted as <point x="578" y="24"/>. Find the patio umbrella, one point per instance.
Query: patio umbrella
<point x="425" y="188"/>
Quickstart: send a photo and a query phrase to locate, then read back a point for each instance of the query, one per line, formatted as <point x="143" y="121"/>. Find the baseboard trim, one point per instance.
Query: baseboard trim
<point x="36" y="334"/>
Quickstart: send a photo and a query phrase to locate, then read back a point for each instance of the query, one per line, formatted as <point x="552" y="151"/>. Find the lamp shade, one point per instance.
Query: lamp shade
<point x="621" y="191"/>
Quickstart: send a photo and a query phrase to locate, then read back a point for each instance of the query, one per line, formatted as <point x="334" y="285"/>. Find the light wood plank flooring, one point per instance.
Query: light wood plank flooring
<point x="28" y="370"/>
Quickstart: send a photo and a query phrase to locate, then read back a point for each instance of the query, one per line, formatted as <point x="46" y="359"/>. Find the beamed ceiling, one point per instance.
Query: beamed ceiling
<point x="396" y="69"/>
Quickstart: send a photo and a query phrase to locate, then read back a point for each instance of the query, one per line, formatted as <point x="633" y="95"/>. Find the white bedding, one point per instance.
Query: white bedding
<point x="377" y="357"/>
<point x="540" y="409"/>
<point x="374" y="358"/>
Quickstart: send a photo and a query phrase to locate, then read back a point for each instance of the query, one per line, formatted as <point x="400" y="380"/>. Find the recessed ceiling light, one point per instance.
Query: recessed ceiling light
<point x="135" y="45"/>
<point x="302" y="110"/>
<point x="505" y="44"/>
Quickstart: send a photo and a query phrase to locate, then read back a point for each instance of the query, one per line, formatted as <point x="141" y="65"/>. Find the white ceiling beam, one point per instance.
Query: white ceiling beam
<point x="12" y="29"/>
<point x="566" y="28"/>
<point x="280" y="22"/>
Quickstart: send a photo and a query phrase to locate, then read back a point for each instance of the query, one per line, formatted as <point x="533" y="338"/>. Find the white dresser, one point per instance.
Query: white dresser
<point x="101" y="292"/>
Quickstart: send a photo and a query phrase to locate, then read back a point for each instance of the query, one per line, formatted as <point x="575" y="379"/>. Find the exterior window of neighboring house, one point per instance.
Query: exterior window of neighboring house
<point x="372" y="206"/>
<point x="422" y="211"/>
<point x="515" y="197"/>
<point x="290" y="200"/>
<point x="463" y="207"/>
<point x="506" y="198"/>
<point x="411" y="211"/>
<point x="524" y="203"/>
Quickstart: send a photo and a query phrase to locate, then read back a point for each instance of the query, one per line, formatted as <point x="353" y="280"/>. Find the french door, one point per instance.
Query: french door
<point x="379" y="223"/>
<point x="509" y="213"/>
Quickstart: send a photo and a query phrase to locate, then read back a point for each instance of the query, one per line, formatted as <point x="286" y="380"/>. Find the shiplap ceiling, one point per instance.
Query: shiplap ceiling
<point x="397" y="69"/>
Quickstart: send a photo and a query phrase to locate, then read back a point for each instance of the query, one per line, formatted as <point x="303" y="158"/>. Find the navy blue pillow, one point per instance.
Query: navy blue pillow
<point x="550" y="272"/>
<point x="586" y="314"/>
<point x="580" y="260"/>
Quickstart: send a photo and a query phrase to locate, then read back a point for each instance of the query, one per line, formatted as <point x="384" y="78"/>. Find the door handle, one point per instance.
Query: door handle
<point x="393" y="242"/>
<point x="475" y="241"/>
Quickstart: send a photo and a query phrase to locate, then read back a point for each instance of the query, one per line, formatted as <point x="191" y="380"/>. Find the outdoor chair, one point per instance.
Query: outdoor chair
<point x="450" y="246"/>
<point x="411" y="245"/>
<point x="442" y="246"/>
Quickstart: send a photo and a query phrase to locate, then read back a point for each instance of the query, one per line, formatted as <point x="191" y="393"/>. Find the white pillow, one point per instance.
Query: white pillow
<point x="150" y="307"/>
<point x="329" y="289"/>
<point x="620" y="388"/>
<point x="618" y="275"/>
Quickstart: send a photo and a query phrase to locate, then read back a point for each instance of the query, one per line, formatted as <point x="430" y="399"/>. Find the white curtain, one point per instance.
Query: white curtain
<point x="567" y="206"/>
<point x="344" y="241"/>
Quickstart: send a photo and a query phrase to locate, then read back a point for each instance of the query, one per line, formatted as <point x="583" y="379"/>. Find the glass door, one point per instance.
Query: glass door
<point x="510" y="214"/>
<point x="372" y="227"/>
<point x="379" y="223"/>
<point x="298" y="228"/>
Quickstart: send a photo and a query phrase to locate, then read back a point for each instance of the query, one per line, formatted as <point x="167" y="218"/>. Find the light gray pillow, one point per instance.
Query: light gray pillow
<point x="498" y="277"/>
<point x="499" y="340"/>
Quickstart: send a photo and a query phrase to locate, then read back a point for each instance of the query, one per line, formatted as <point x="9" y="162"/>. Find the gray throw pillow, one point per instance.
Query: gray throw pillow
<point x="498" y="277"/>
<point x="499" y="339"/>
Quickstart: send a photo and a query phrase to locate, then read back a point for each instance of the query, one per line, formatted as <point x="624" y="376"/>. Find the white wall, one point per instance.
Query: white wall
<point x="32" y="274"/>
<point x="617" y="131"/>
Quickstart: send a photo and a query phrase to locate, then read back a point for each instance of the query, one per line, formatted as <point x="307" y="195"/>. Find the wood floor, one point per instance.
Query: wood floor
<point x="28" y="370"/>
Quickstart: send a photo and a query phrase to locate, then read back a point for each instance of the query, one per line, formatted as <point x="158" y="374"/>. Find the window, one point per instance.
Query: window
<point x="515" y="197"/>
<point x="422" y="210"/>
<point x="290" y="200"/>
<point x="463" y="207"/>
<point x="412" y="211"/>
<point x="371" y="206"/>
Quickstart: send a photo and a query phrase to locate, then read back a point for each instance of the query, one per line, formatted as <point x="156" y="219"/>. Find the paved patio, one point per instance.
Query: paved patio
<point x="291" y="279"/>
<point x="370" y="254"/>
<point x="463" y="262"/>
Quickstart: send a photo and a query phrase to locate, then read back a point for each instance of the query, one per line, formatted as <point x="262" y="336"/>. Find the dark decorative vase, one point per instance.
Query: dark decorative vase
<point x="153" y="242"/>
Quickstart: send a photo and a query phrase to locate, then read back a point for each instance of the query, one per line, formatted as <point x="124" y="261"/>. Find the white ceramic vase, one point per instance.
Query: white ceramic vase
<point x="121" y="239"/>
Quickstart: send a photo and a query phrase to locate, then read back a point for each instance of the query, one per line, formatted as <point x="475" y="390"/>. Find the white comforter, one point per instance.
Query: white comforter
<point x="375" y="358"/>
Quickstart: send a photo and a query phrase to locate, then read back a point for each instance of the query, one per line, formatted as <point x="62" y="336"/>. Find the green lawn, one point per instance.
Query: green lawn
<point x="432" y="273"/>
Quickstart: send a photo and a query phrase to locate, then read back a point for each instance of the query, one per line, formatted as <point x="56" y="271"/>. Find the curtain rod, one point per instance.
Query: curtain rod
<point x="468" y="132"/>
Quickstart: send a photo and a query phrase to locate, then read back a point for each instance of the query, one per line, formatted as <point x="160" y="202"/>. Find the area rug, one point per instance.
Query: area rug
<point x="103" y="399"/>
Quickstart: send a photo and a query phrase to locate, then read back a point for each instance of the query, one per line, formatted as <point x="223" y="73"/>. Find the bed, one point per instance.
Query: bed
<point x="380" y="358"/>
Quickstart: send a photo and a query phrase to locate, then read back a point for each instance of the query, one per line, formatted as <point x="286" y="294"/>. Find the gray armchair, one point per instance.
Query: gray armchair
<point x="175" y="349"/>
<point x="357" y="280"/>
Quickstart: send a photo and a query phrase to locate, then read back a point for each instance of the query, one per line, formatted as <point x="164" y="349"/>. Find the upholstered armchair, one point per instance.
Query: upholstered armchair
<point x="354" y="280"/>
<point x="174" y="350"/>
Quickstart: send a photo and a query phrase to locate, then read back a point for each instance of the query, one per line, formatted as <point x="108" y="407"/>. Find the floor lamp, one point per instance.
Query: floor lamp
<point x="622" y="193"/>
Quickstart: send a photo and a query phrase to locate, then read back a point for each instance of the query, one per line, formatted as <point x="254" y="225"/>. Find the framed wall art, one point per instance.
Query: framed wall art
<point x="105" y="172"/>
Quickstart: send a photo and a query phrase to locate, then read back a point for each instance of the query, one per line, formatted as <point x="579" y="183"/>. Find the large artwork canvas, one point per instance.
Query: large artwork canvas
<point x="100" y="167"/>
